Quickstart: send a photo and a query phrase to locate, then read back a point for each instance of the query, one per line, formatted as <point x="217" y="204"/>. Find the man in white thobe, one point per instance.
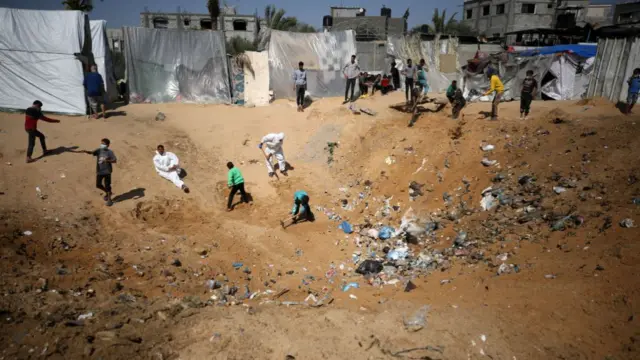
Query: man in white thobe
<point x="167" y="166"/>
<point x="272" y="146"/>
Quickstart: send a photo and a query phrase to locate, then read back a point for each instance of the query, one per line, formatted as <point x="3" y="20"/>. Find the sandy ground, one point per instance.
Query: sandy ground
<point x="118" y="263"/>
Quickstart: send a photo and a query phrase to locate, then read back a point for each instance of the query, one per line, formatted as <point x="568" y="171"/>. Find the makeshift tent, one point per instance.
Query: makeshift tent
<point x="37" y="59"/>
<point x="176" y="66"/>
<point x="402" y="48"/>
<point x="562" y="72"/>
<point x="102" y="57"/>
<point x="614" y="64"/>
<point x="324" y="55"/>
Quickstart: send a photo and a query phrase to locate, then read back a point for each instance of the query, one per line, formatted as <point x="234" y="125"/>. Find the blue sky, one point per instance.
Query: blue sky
<point x="127" y="12"/>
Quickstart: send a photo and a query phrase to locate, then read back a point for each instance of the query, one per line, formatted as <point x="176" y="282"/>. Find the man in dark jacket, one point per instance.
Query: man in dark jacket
<point x="395" y="75"/>
<point x="32" y="115"/>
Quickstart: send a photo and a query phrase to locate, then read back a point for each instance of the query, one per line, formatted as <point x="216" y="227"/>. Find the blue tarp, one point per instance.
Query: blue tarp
<point x="585" y="51"/>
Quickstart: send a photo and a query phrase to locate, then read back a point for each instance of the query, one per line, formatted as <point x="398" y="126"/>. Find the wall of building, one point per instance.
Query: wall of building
<point x="626" y="13"/>
<point x="512" y="19"/>
<point x="196" y="22"/>
<point x="115" y="39"/>
<point x="345" y="11"/>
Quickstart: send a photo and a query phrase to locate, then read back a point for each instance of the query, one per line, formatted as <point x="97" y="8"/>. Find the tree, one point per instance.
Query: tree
<point x="440" y="23"/>
<point x="276" y="20"/>
<point x="214" y="11"/>
<point x="237" y="45"/>
<point x="304" y="28"/>
<point x="81" y="5"/>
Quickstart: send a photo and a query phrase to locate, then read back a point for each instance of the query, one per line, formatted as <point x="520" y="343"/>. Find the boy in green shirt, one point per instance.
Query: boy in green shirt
<point x="235" y="182"/>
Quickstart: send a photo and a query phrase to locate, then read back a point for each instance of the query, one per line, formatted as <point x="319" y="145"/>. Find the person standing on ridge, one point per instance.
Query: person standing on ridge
<point x="496" y="87"/>
<point x="350" y="71"/>
<point x="300" y="85"/>
<point x="409" y="73"/>
<point x="529" y="90"/>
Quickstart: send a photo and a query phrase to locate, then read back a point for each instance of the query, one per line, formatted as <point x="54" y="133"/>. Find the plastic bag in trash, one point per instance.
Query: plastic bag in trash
<point x="386" y="232"/>
<point x="398" y="253"/>
<point x="346" y="227"/>
<point x="418" y="320"/>
<point x="369" y="267"/>
<point x="488" y="202"/>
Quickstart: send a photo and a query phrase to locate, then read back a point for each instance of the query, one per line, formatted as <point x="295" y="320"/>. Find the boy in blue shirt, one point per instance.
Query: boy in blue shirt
<point x="301" y="209"/>
<point x="634" y="89"/>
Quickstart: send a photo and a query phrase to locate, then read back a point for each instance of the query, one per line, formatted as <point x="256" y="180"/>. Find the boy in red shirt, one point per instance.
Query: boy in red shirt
<point x="32" y="115"/>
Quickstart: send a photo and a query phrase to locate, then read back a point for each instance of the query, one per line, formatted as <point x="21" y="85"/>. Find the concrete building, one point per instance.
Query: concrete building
<point x="233" y="25"/>
<point x="494" y="18"/>
<point x="367" y="28"/>
<point x="115" y="39"/>
<point x="626" y="13"/>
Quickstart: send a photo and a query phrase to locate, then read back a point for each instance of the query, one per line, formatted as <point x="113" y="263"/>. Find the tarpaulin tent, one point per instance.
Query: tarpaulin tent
<point x="324" y="55"/>
<point x="402" y="48"/>
<point x="176" y="66"/>
<point x="102" y="57"/>
<point x="37" y="59"/>
<point x="562" y="72"/>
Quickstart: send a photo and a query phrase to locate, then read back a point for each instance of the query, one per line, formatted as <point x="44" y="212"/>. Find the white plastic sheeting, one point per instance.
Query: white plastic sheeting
<point x="176" y="66"/>
<point x="614" y="63"/>
<point x="37" y="60"/>
<point x="410" y="47"/>
<point x="324" y="55"/>
<point x="102" y="57"/>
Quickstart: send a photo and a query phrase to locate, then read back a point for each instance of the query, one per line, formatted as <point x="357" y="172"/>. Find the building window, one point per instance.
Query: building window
<point x="239" y="25"/>
<point x="486" y="10"/>
<point x="528" y="8"/>
<point x="499" y="9"/>
<point x="160" y="23"/>
<point x="116" y="45"/>
<point x="469" y="13"/>
<point x="549" y="6"/>
<point x="206" y="24"/>
<point x="186" y="22"/>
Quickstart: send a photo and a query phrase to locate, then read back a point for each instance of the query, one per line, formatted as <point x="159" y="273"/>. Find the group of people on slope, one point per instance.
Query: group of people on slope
<point x="167" y="164"/>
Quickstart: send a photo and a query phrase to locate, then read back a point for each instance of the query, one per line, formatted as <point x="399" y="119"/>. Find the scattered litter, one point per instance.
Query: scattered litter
<point x="390" y="160"/>
<point x="237" y="265"/>
<point x="549" y="276"/>
<point x="488" y="201"/>
<point x="86" y="316"/>
<point x="351" y="285"/>
<point x="386" y="232"/>
<point x="418" y="320"/>
<point x="398" y="253"/>
<point x="445" y="281"/>
<point x="559" y="189"/>
<point x="627" y="223"/>
<point x="27" y="233"/>
<point x="369" y="267"/>
<point x="488" y="147"/>
<point x="483" y="338"/>
<point x="353" y="297"/>
<point x="160" y="116"/>
<point x="486" y="162"/>
<point x="346" y="227"/>
<point x="460" y="238"/>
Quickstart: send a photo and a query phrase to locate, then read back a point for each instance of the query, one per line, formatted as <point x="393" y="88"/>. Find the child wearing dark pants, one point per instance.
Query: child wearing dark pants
<point x="529" y="88"/>
<point x="235" y="182"/>
<point x="104" y="168"/>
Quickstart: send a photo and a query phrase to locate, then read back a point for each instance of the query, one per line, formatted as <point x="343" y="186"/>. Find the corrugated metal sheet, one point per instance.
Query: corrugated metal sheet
<point x="615" y="60"/>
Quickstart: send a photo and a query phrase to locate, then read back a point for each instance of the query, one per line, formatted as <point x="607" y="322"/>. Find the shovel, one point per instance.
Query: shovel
<point x="267" y="158"/>
<point x="282" y="222"/>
